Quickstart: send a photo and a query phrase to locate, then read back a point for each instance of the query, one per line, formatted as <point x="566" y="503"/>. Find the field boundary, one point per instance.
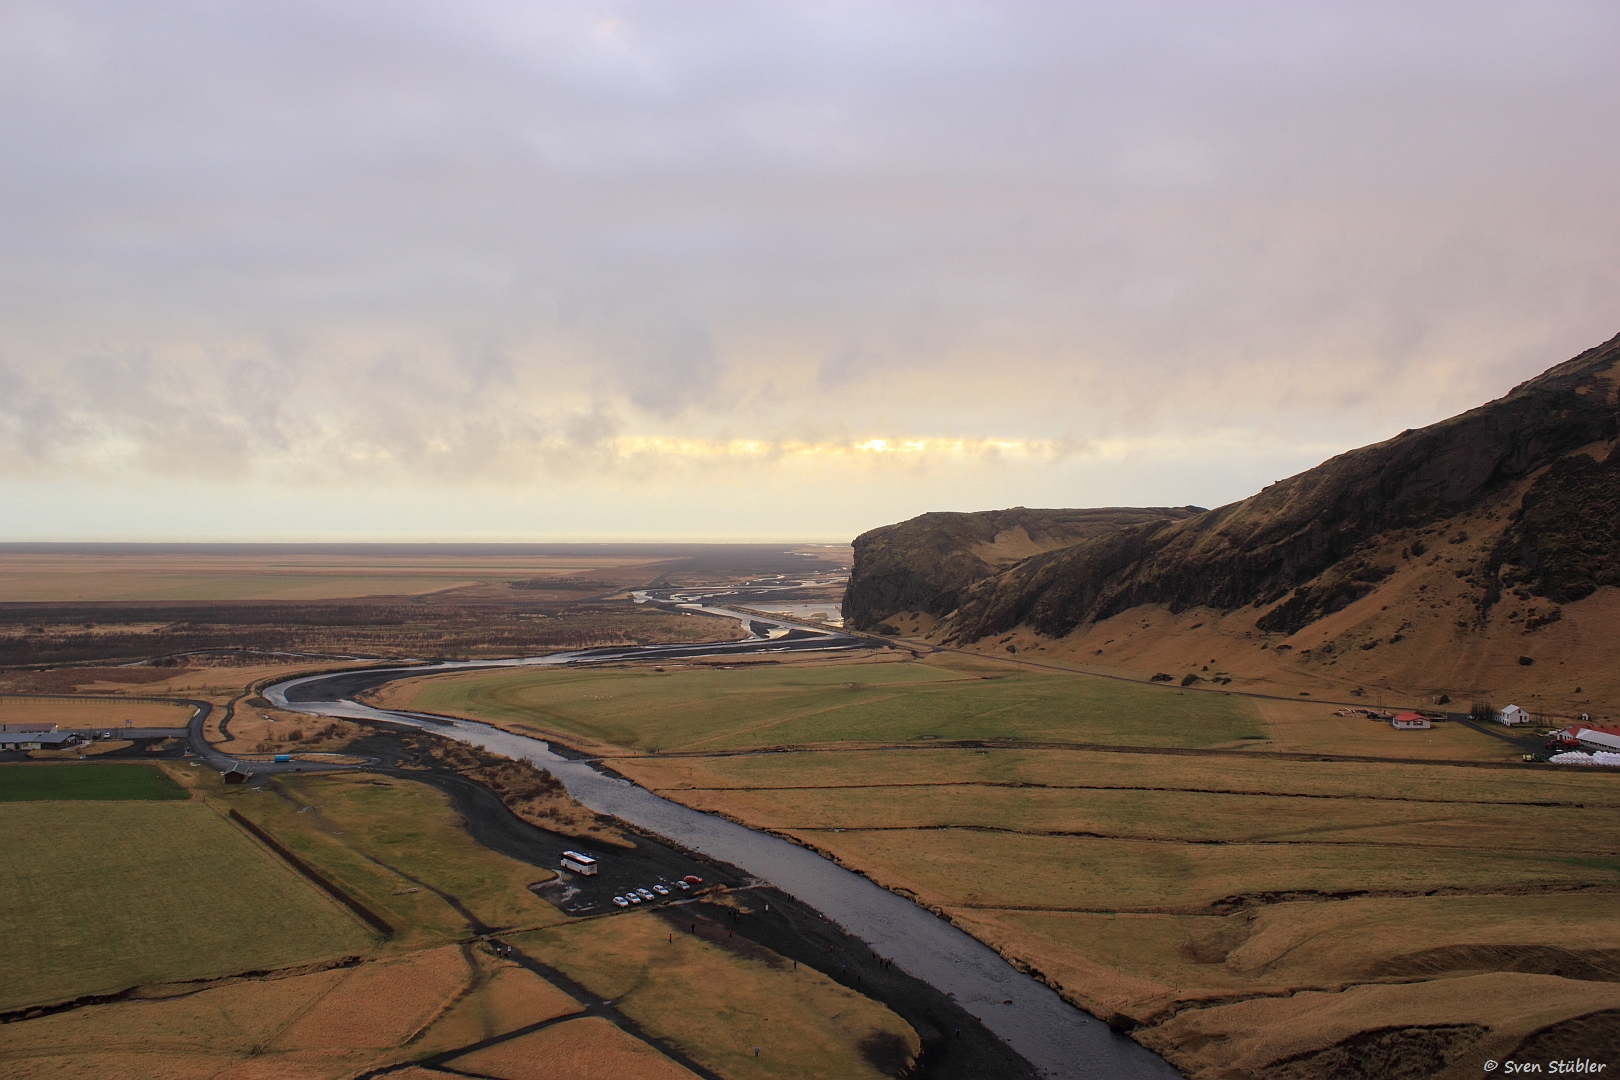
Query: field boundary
<point x="164" y="991"/>
<point x="324" y="883"/>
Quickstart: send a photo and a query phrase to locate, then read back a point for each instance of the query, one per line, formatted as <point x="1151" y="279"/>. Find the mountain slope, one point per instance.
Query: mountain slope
<point x="1520" y="498"/>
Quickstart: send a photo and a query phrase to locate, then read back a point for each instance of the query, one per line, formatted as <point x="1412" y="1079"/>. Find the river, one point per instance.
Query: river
<point x="1055" y="1037"/>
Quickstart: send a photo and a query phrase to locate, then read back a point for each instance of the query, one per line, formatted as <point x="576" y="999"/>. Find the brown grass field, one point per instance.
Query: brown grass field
<point x="587" y="1049"/>
<point x="1199" y="887"/>
<point x="504" y="998"/>
<point x="378" y="1006"/>
<point x="259" y="730"/>
<point x="70" y="712"/>
<point x="806" y="1024"/>
<point x="42" y="578"/>
<point x="217" y="683"/>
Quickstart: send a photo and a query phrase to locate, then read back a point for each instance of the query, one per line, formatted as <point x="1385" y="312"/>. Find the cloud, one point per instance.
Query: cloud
<point x="581" y="244"/>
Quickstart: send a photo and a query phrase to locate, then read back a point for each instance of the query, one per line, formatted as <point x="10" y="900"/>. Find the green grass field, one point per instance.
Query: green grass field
<point x="401" y="849"/>
<point x="99" y="897"/>
<point x="73" y="782"/>
<point x="698" y="709"/>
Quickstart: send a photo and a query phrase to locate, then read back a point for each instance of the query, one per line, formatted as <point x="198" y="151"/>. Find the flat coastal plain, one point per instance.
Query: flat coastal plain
<point x="1253" y="888"/>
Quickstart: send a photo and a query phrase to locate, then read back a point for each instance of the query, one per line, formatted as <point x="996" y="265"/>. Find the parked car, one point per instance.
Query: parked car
<point x="660" y="890"/>
<point x="632" y="897"/>
<point x="683" y="885"/>
<point x="645" y="895"/>
<point x="692" y="879"/>
<point x="621" y="901"/>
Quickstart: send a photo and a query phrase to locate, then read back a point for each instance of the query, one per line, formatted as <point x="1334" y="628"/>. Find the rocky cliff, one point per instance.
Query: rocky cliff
<point x="1533" y="468"/>
<point x="927" y="564"/>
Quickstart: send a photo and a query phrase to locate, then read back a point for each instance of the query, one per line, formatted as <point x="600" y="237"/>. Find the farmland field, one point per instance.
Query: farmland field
<point x="811" y="1026"/>
<point x="70" y="712"/>
<point x="700" y="709"/>
<point x="1204" y="882"/>
<point x="584" y="1049"/>
<point x="75" y="783"/>
<point x="104" y="895"/>
<point x="432" y="993"/>
<point x="400" y="848"/>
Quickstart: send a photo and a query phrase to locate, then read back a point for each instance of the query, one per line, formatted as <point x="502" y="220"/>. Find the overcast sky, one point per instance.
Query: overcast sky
<point x="484" y="270"/>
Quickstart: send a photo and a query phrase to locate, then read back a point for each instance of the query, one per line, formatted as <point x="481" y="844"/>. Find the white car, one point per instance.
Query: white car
<point x="632" y="897"/>
<point x="645" y="895"/>
<point x="621" y="901"/>
<point x="660" y="890"/>
<point x="683" y="886"/>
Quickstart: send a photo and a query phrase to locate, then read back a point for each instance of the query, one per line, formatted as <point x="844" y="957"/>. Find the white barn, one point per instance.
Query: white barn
<point x="1598" y="740"/>
<point x="1513" y="715"/>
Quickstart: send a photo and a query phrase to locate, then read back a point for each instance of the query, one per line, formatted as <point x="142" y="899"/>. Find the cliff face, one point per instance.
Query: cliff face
<point x="1307" y="546"/>
<point x="928" y="563"/>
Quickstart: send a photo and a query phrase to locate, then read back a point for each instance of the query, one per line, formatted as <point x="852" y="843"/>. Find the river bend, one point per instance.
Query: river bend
<point x="1055" y="1037"/>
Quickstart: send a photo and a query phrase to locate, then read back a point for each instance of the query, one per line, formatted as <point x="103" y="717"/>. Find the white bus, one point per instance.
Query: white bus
<point x="579" y="864"/>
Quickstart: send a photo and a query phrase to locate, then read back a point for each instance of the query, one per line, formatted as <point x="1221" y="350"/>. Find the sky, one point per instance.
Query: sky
<point x="789" y="271"/>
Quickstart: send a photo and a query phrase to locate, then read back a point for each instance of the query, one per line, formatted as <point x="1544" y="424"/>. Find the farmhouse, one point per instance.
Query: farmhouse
<point x="1410" y="721"/>
<point x="1513" y="715"/>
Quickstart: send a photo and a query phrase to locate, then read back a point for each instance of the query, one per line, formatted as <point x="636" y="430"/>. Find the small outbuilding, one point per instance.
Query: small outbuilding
<point x="1410" y="721"/>
<point x="1513" y="715"/>
<point x="236" y="774"/>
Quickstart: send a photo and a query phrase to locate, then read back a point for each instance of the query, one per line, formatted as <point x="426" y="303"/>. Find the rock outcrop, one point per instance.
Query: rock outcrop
<point x="1301" y="548"/>
<point x="927" y="564"/>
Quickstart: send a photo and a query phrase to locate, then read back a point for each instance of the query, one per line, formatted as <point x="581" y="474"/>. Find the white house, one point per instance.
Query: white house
<point x="1513" y="715"/>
